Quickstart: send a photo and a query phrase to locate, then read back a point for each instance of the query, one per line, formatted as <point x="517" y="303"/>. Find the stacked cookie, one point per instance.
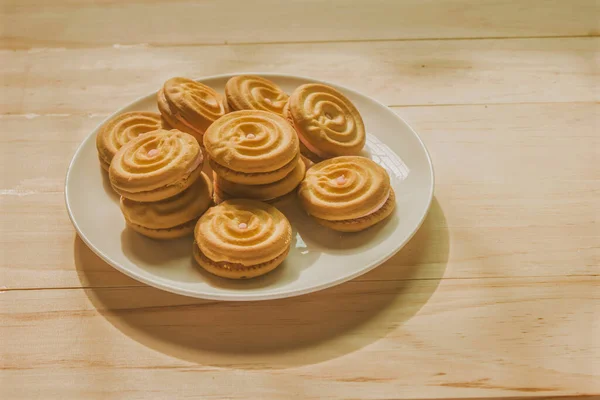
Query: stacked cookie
<point x="159" y="177"/>
<point x="254" y="155"/>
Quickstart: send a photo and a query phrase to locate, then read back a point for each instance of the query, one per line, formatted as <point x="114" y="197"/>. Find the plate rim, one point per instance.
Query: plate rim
<point x="245" y="296"/>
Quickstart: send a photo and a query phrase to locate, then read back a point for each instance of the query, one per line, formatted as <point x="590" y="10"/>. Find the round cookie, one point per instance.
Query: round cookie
<point x="252" y="147"/>
<point x="170" y="218"/>
<point x="269" y="192"/>
<point x="327" y="123"/>
<point x="190" y="106"/>
<point x="249" y="92"/>
<point x="347" y="193"/>
<point x="117" y="131"/>
<point x="241" y="239"/>
<point x="155" y="166"/>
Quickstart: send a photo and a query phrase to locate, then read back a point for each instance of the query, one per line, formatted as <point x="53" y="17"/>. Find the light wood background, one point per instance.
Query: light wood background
<point x="498" y="295"/>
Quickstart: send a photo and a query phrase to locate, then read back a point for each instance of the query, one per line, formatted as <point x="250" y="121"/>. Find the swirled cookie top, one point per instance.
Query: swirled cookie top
<point x="122" y="129"/>
<point x="243" y="231"/>
<point x="154" y="160"/>
<point x="251" y="141"/>
<point x="345" y="187"/>
<point x="327" y="119"/>
<point x="249" y="92"/>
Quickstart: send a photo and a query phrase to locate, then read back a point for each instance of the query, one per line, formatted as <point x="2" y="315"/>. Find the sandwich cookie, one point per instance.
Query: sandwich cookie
<point x="347" y="194"/>
<point x="240" y="239"/>
<point x="156" y="165"/>
<point x="190" y="106"/>
<point x="327" y="123"/>
<point x="119" y="130"/>
<point x="249" y="92"/>
<point x="170" y="218"/>
<point x="252" y="147"/>
<point x="269" y="192"/>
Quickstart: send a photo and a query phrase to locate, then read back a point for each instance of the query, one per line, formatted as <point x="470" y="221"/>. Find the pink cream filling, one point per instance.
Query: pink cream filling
<point x="379" y="206"/>
<point x="196" y="164"/>
<point x="187" y="124"/>
<point x="311" y="147"/>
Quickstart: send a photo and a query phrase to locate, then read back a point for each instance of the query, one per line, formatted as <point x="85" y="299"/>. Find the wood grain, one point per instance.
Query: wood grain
<point x="373" y="339"/>
<point x="68" y="23"/>
<point x="496" y="296"/>
<point x="99" y="81"/>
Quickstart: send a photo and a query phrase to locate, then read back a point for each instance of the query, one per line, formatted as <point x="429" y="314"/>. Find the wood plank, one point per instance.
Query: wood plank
<point x="368" y="340"/>
<point x="67" y="23"/>
<point x="99" y="81"/>
<point x="505" y="208"/>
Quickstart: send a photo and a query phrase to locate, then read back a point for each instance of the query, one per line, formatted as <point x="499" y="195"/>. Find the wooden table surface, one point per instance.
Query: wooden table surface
<point x="498" y="294"/>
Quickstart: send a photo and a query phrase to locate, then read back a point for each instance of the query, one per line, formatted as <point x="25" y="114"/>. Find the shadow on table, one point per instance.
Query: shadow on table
<point x="278" y="333"/>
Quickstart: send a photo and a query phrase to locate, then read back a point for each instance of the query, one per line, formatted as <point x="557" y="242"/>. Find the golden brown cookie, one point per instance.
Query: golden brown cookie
<point x="169" y="218"/>
<point x="241" y="239"/>
<point x="249" y="92"/>
<point x="252" y="147"/>
<point x="347" y="193"/>
<point x="117" y="131"/>
<point x="156" y="165"/>
<point x="190" y="106"/>
<point x="225" y="189"/>
<point x="327" y="123"/>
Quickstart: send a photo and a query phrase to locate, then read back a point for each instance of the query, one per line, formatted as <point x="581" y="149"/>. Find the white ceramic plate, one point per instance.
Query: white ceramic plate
<point x="319" y="258"/>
